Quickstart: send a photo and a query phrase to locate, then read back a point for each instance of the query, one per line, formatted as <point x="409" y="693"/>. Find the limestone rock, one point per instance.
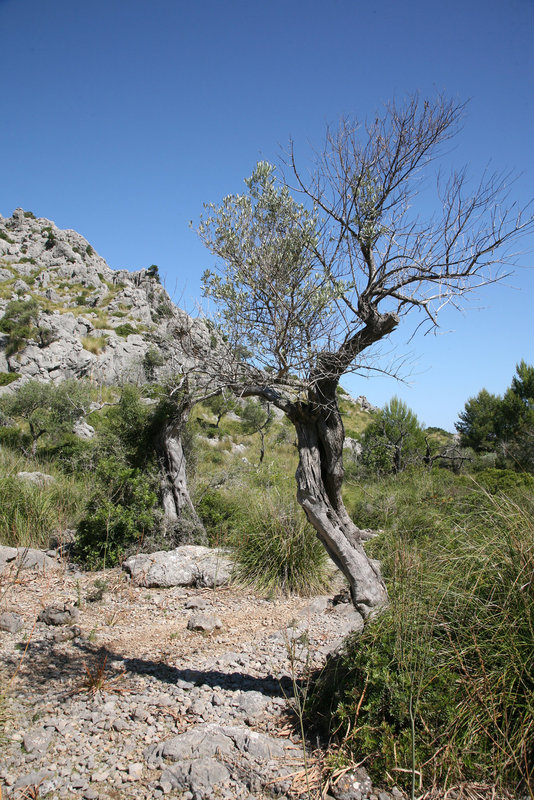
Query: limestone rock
<point x="10" y="622"/>
<point x="353" y="785"/>
<point x="8" y="555"/>
<point x="111" y="325"/>
<point x="59" y="615"/>
<point x="205" y="754"/>
<point x="189" y="565"/>
<point x="354" y="446"/>
<point x="204" y="622"/>
<point x="82" y="429"/>
<point x="37" y="740"/>
<point x="24" y="558"/>
<point x="36" y="478"/>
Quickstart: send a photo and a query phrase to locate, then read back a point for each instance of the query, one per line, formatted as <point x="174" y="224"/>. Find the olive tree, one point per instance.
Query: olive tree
<point x="312" y="289"/>
<point x="48" y="408"/>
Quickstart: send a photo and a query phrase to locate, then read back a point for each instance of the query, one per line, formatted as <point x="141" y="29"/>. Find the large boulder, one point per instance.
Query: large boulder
<point x="189" y="565"/>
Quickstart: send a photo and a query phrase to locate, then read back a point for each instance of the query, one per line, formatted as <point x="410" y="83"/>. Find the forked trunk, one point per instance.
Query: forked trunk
<point x="320" y="437"/>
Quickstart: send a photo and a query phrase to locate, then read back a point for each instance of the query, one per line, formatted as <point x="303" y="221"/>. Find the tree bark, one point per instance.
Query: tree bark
<point x="178" y="508"/>
<point x="319" y="475"/>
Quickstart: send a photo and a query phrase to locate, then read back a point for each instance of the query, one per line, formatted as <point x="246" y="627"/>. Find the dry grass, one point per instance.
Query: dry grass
<point x="94" y="344"/>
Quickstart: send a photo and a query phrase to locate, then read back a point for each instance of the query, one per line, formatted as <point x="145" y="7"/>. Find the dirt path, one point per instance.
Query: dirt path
<point x="127" y="702"/>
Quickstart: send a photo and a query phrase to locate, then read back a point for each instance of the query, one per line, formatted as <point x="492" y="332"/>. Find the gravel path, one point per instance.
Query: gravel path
<point x="125" y="701"/>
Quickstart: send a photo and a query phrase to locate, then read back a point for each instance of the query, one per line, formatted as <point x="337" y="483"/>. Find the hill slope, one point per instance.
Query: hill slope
<point x="87" y="319"/>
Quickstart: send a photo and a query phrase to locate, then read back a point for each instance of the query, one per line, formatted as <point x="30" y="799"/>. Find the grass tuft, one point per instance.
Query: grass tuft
<point x="277" y="551"/>
<point x="30" y="514"/>
<point x="94" y="344"/>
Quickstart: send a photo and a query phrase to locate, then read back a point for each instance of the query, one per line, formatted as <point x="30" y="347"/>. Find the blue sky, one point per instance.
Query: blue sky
<point x="120" y="119"/>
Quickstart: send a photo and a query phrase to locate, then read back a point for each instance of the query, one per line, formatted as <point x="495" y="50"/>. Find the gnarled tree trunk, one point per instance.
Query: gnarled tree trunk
<point x="179" y="513"/>
<point x="320" y="437"/>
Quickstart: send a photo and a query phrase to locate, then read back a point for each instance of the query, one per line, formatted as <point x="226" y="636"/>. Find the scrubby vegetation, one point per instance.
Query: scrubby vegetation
<point x="19" y="322"/>
<point x="34" y="515"/>
<point x="439" y="689"/>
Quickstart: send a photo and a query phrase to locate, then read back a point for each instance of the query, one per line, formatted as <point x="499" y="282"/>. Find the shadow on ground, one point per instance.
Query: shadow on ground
<point x="44" y="663"/>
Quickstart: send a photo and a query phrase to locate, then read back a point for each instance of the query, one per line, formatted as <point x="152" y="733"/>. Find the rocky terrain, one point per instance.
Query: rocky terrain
<point x="135" y="683"/>
<point x="117" y="691"/>
<point x="110" y="325"/>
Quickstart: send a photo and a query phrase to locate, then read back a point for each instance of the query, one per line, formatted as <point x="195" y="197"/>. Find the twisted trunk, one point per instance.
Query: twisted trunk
<point x="319" y="475"/>
<point x="179" y="512"/>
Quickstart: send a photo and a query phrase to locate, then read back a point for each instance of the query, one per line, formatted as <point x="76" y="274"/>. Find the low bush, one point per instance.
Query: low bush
<point x="18" y="321"/>
<point x="72" y="454"/>
<point x="222" y="515"/>
<point x="14" y="438"/>
<point x="8" y="377"/>
<point x="125" y="330"/>
<point x="121" y="513"/>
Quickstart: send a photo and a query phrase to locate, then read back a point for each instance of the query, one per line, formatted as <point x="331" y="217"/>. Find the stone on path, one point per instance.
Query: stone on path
<point x="37" y="740"/>
<point x="205" y="756"/>
<point x="59" y="615"/>
<point x="204" y="622"/>
<point x="189" y="565"/>
<point x="11" y="622"/>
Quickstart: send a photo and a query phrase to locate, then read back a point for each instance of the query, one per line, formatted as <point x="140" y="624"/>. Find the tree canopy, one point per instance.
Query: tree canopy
<point x="311" y="289"/>
<point x="491" y="423"/>
<point x="48" y="408"/>
<point x="308" y="288"/>
<point x="394" y="439"/>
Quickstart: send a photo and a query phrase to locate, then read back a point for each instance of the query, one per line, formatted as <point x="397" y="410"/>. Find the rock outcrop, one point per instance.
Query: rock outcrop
<point x="88" y="320"/>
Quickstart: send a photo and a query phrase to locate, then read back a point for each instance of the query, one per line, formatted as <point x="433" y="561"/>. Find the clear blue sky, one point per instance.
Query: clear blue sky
<point x="121" y="118"/>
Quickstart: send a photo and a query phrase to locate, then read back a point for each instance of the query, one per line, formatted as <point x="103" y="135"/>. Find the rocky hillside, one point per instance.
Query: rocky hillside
<point x="65" y="313"/>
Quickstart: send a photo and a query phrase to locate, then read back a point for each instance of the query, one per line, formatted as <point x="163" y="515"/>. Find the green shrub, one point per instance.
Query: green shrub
<point x="125" y="330"/>
<point x="8" y="377"/>
<point x="276" y="550"/>
<point x="221" y="514"/>
<point x="504" y="480"/>
<point x="72" y="454"/>
<point x="14" y="438"/>
<point x="153" y="272"/>
<point x="18" y="322"/>
<point x="50" y="241"/>
<point x="120" y="514"/>
<point x="152" y="359"/>
<point x="164" y="309"/>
